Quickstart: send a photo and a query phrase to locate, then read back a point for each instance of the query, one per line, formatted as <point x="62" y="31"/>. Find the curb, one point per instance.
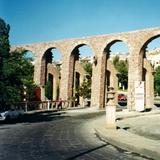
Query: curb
<point x="129" y="141"/>
<point x="137" y="114"/>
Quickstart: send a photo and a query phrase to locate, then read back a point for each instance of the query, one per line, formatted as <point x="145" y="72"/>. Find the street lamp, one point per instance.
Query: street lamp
<point x="25" y="97"/>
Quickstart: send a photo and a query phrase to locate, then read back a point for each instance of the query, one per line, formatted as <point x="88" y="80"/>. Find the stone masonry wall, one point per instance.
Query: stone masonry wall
<point x="135" y="40"/>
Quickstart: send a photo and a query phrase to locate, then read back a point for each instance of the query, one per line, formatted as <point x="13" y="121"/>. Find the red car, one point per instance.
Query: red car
<point x="122" y="97"/>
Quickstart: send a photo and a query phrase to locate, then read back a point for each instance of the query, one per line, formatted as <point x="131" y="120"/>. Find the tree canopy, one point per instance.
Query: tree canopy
<point x="122" y="68"/>
<point x="4" y="40"/>
<point x="85" y="88"/>
<point x="157" y="80"/>
<point x="16" y="71"/>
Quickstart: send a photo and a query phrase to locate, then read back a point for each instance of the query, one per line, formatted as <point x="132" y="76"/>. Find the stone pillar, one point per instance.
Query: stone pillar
<point x="111" y="109"/>
<point x="37" y="71"/>
<point x="79" y="68"/>
<point x="98" y="81"/>
<point x="113" y="78"/>
<point x="37" y="77"/>
<point x="149" y="85"/>
<point x="134" y="74"/>
<point x="42" y="93"/>
<point x="51" y="69"/>
<point x="149" y="90"/>
<point x="74" y="83"/>
<point x="55" y="86"/>
<point x="66" y="81"/>
<point x="81" y="81"/>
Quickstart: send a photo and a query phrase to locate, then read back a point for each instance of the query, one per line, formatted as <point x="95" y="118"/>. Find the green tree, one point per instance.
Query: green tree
<point x="122" y="68"/>
<point x="88" y="68"/>
<point x="16" y="71"/>
<point x="4" y="54"/>
<point x="48" y="90"/>
<point x="85" y="88"/>
<point x="4" y="40"/>
<point x="157" y="80"/>
<point x="116" y="61"/>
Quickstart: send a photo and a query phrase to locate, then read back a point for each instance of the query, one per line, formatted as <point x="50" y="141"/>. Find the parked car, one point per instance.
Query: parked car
<point x="122" y="97"/>
<point x="6" y="115"/>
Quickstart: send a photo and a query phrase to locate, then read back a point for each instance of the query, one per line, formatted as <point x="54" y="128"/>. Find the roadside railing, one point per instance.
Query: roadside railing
<point x="44" y="105"/>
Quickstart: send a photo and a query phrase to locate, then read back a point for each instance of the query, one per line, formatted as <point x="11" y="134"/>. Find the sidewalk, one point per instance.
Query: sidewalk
<point x="138" y="132"/>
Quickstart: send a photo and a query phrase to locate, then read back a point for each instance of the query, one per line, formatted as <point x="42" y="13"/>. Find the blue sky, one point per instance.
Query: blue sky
<point x="46" y="20"/>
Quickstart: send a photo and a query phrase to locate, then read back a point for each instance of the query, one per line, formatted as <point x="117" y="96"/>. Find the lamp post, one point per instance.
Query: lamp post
<point x="25" y="97"/>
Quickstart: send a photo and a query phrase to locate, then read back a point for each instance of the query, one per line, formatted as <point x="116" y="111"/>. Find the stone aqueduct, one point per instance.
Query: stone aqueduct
<point x="136" y="42"/>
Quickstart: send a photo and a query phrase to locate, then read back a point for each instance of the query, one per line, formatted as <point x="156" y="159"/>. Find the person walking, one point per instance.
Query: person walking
<point x="59" y="106"/>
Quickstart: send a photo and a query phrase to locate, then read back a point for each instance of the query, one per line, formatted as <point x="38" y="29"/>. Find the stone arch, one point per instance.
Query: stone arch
<point x="33" y="62"/>
<point x="49" y="47"/>
<point x="105" y="64"/>
<point x="30" y="54"/>
<point x="74" y="66"/>
<point x="73" y="57"/>
<point x="51" y="69"/>
<point x="81" y="76"/>
<point x="45" y="59"/>
<point x="147" y="72"/>
<point x="24" y="47"/>
<point x="144" y="46"/>
<point x="27" y="49"/>
<point x="107" y="43"/>
<point x="135" y="40"/>
<point x="46" y="63"/>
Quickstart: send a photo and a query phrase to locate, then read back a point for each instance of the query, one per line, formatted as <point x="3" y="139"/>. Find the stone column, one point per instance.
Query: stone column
<point x="149" y="85"/>
<point x="79" y="68"/>
<point x="66" y="81"/>
<point x="55" y="85"/>
<point x="113" y="78"/>
<point x="82" y="77"/>
<point x="149" y="90"/>
<point x="98" y="81"/>
<point x="134" y="74"/>
<point x="37" y="76"/>
<point x="111" y="109"/>
<point x="37" y="70"/>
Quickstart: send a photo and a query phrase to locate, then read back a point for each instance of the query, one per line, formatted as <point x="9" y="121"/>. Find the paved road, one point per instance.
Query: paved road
<point x="56" y="136"/>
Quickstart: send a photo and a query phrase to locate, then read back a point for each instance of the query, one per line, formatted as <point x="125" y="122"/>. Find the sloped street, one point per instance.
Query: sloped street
<point x="57" y="135"/>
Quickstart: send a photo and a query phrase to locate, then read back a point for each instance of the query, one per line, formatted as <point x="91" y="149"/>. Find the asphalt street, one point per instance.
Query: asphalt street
<point x="57" y="135"/>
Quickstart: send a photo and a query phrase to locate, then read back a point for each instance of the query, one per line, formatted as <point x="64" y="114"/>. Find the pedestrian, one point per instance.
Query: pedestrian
<point x="59" y="106"/>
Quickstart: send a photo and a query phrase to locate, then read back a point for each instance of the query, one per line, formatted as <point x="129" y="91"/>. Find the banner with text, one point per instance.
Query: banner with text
<point x="139" y="95"/>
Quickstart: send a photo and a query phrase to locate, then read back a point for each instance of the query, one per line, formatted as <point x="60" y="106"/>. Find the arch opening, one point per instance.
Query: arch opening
<point x="29" y="55"/>
<point x="50" y="73"/>
<point x="116" y="63"/>
<point x="80" y="74"/>
<point x="150" y="53"/>
<point x="33" y="92"/>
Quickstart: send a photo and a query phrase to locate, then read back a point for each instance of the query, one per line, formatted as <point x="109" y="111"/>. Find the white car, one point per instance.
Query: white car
<point x="11" y="114"/>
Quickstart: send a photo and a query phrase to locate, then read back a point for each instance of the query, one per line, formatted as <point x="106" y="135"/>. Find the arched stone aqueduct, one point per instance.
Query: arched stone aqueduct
<point x="136" y="42"/>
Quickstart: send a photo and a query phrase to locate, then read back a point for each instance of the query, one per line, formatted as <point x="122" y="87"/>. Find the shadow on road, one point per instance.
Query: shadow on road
<point x="86" y="152"/>
<point x="157" y="105"/>
<point x="37" y="117"/>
